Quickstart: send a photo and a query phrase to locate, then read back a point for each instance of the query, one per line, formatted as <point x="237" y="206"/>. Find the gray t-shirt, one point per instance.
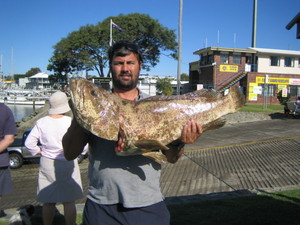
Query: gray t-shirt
<point x="130" y="180"/>
<point x="7" y="126"/>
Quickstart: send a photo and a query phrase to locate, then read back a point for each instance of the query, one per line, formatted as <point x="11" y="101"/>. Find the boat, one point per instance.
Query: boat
<point x="23" y="97"/>
<point x="20" y="100"/>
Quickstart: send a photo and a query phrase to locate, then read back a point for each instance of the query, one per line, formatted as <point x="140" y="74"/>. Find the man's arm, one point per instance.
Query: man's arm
<point x="74" y="141"/>
<point x="6" y="141"/>
<point x="190" y="133"/>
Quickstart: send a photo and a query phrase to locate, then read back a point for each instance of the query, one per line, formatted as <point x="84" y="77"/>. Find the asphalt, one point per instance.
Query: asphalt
<point x="236" y="160"/>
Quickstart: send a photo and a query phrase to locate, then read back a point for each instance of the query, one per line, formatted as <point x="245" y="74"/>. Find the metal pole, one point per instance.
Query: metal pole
<point x="179" y="46"/>
<point x="110" y="33"/>
<point x="254" y="23"/>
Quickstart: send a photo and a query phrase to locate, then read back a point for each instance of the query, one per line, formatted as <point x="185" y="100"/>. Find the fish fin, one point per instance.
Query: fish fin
<point x="158" y="156"/>
<point x="213" y="125"/>
<point x="150" y="145"/>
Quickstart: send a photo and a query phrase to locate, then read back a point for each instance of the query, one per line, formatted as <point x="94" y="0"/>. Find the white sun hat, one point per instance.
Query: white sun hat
<point x="58" y="103"/>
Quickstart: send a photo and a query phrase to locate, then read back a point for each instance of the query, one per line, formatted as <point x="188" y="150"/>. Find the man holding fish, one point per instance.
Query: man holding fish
<point x="123" y="189"/>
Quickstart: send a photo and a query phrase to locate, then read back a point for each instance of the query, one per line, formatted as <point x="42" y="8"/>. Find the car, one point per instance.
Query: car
<point x="18" y="152"/>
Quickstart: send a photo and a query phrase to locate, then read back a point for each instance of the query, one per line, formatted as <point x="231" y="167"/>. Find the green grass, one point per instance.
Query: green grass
<point x="260" y="108"/>
<point x="279" y="208"/>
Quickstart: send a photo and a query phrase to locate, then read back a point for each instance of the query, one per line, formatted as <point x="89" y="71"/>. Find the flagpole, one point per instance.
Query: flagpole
<point x="110" y="39"/>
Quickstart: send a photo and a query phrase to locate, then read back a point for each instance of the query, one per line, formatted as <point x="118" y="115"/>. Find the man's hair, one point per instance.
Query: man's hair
<point x="124" y="48"/>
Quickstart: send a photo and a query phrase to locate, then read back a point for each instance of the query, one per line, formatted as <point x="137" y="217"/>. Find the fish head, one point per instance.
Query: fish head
<point x="94" y="108"/>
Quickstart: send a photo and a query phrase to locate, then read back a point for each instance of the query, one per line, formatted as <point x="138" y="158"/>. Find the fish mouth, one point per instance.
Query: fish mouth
<point x="120" y="144"/>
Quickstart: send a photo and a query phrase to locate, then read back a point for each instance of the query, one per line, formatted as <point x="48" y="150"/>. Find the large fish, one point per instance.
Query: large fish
<point x="152" y="123"/>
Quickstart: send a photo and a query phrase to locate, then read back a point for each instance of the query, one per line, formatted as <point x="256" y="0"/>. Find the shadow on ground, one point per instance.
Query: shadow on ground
<point x="247" y="210"/>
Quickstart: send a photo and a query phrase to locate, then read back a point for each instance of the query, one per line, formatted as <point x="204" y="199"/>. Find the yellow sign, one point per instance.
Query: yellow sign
<point x="273" y="80"/>
<point x="252" y="96"/>
<point x="281" y="86"/>
<point x="229" y="68"/>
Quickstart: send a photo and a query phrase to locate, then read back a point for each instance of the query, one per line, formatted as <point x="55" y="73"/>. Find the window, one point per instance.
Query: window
<point x="203" y="60"/>
<point x="223" y="58"/>
<point x="248" y="59"/>
<point x="269" y="89"/>
<point x="289" y="61"/>
<point x="275" y="60"/>
<point x="210" y="59"/>
<point x="294" y="90"/>
<point x="236" y="59"/>
<point x="298" y="62"/>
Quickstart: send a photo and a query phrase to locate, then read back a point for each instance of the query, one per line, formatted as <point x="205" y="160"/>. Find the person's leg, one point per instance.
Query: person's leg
<point x="70" y="213"/>
<point x="48" y="213"/>
<point x="2" y="213"/>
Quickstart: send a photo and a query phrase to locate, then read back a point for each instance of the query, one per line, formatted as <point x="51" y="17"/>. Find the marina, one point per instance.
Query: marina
<point x="21" y="111"/>
<point x="23" y="97"/>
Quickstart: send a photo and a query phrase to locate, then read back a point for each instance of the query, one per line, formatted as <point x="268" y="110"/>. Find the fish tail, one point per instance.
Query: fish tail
<point x="236" y="98"/>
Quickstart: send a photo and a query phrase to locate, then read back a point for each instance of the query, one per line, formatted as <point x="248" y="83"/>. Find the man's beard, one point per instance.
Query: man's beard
<point x="126" y="86"/>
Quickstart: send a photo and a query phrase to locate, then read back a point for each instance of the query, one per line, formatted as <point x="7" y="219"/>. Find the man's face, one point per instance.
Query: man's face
<point x="125" y="71"/>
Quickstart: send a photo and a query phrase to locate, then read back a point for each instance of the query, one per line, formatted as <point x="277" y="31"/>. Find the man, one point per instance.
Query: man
<point x="8" y="131"/>
<point x="124" y="190"/>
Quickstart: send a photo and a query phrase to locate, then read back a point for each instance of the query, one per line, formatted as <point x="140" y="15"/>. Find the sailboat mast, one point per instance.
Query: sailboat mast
<point x="12" y="63"/>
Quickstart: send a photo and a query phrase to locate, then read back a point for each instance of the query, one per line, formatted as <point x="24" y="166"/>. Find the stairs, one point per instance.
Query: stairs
<point x="230" y="82"/>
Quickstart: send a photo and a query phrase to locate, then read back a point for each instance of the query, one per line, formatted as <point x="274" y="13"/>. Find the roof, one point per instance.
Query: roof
<point x="249" y="50"/>
<point x="203" y="50"/>
<point x="40" y="75"/>
<point x="276" y="51"/>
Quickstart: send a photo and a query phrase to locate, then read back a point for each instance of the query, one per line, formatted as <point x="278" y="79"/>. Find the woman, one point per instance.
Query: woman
<point x="59" y="180"/>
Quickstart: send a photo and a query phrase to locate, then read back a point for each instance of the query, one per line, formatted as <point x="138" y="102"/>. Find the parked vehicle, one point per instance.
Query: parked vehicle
<point x="18" y="152"/>
<point x="294" y="108"/>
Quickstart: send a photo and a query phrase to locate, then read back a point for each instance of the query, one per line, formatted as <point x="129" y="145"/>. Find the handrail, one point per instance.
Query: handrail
<point x="230" y="78"/>
<point x="232" y="82"/>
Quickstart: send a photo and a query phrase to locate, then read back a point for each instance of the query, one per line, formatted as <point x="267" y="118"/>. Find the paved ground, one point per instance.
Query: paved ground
<point x="234" y="160"/>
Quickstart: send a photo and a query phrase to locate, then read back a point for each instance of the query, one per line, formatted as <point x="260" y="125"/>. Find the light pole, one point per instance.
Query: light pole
<point x="179" y="46"/>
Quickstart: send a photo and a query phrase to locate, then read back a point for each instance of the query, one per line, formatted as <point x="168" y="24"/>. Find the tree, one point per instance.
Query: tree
<point x="184" y="77"/>
<point x="32" y="72"/>
<point x="86" y="49"/>
<point x="164" y="86"/>
<point x="18" y="76"/>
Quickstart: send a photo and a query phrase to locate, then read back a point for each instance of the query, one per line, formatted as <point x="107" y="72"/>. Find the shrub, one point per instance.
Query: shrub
<point x="283" y="100"/>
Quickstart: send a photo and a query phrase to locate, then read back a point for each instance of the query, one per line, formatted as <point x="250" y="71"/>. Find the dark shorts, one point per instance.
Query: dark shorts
<point x="95" y="214"/>
<point x="6" y="185"/>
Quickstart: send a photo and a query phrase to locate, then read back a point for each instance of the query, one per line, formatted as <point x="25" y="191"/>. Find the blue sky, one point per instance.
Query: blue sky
<point x="30" y="28"/>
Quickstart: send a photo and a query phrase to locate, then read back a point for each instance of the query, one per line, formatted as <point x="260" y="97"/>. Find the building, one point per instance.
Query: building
<point x="261" y="73"/>
<point x="39" y="81"/>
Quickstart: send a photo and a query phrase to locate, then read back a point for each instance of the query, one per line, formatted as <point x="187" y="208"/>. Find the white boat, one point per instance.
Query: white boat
<point x="23" y="97"/>
<point x="22" y="100"/>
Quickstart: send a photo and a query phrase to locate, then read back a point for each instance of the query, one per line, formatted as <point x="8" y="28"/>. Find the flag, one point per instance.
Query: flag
<point x="114" y="25"/>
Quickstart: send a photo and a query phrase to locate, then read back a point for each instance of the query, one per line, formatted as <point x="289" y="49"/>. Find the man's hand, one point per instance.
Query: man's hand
<point x="191" y="132"/>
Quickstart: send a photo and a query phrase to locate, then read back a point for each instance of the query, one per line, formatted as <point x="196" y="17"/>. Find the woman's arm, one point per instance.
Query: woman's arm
<point x="74" y="140"/>
<point x="32" y="141"/>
